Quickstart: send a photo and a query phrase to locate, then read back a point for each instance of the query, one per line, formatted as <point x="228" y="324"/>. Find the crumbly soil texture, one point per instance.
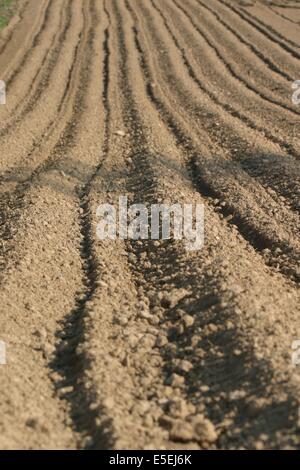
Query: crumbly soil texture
<point x="142" y="344"/>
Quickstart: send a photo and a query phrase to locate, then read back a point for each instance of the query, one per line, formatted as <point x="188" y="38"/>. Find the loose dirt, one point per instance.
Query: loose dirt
<point x="142" y="344"/>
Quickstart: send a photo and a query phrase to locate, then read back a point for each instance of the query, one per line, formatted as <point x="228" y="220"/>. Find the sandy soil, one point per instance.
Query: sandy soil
<point x="141" y="344"/>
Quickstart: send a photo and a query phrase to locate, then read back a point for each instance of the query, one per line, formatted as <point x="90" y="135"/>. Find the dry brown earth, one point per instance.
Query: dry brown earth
<point x="124" y="345"/>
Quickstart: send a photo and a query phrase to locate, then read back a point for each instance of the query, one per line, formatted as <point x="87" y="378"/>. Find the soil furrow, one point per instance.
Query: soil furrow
<point x="253" y="231"/>
<point x="119" y="332"/>
<point x="22" y="150"/>
<point x="259" y="26"/>
<point x="237" y="74"/>
<point x="265" y="59"/>
<point x="281" y="58"/>
<point x="62" y="361"/>
<point x="289" y="147"/>
<point x="277" y="28"/>
<point x="13" y="71"/>
<point x="42" y="78"/>
<point x="12" y="199"/>
<point x="268" y="77"/>
<point x="284" y="16"/>
<point x="70" y="360"/>
<point x="290" y="191"/>
<point x="6" y="36"/>
<point x="146" y="176"/>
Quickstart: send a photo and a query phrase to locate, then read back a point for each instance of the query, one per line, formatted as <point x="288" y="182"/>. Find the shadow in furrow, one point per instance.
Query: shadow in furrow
<point x="226" y="373"/>
<point x="71" y="362"/>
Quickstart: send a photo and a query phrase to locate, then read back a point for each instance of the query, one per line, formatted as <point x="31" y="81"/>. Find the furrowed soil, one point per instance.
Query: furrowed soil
<point x="141" y="344"/>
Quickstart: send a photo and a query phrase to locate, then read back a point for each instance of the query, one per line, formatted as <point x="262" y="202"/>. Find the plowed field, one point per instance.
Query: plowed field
<point x="141" y="344"/>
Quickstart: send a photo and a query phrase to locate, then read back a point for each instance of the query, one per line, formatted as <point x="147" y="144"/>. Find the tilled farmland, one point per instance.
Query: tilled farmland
<point x="141" y="344"/>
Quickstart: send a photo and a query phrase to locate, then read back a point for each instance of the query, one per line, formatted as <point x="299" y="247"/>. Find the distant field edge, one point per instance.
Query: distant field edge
<point x="8" y="9"/>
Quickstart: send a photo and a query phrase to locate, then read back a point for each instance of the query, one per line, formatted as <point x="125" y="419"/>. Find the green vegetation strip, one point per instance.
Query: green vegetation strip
<point x="6" y="11"/>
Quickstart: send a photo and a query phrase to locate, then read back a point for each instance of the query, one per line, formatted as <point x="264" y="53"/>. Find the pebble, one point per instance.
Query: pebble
<point x="48" y="350"/>
<point x="154" y="320"/>
<point x="171" y="299"/>
<point x="143" y="255"/>
<point x="205" y="430"/>
<point x="120" y="133"/>
<point x="198" y="429"/>
<point x="237" y="352"/>
<point x="185" y="365"/>
<point x="179" y="409"/>
<point x="176" y="380"/>
<point x="65" y="390"/>
<point x="108" y="403"/>
<point x="259" y="445"/>
<point x="132" y="258"/>
<point x="144" y="313"/>
<point x="188" y="320"/>
<point x="237" y="394"/>
<point x="182" y="432"/>
<point x="161" y="341"/>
